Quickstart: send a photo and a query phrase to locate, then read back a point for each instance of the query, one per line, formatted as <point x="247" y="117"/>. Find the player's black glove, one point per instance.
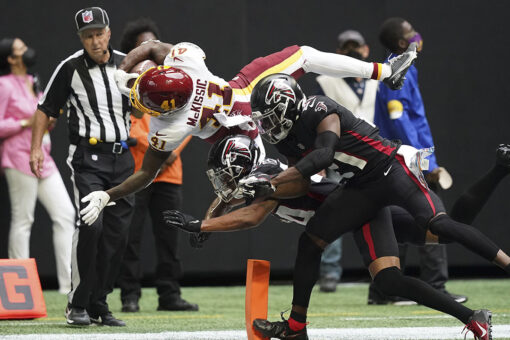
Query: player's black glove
<point x="180" y="220"/>
<point x="256" y="185"/>
<point x="196" y="240"/>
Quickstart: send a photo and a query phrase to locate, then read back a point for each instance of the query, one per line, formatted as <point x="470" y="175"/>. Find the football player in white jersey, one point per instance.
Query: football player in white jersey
<point x="187" y="99"/>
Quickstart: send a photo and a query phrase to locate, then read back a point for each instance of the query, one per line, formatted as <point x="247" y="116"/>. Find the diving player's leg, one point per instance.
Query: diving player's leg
<point x="450" y="230"/>
<point x="378" y="247"/>
<point x="429" y="213"/>
<point x="469" y="204"/>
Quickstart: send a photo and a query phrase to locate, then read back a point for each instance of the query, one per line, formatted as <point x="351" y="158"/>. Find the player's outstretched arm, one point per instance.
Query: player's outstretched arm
<point x="153" y="50"/>
<point x="292" y="189"/>
<point x="152" y="161"/>
<point x="244" y="218"/>
<point x="219" y="208"/>
<point x="240" y="219"/>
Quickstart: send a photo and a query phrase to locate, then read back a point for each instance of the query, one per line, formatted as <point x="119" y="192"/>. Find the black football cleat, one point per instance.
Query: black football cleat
<point x="77" y="316"/>
<point x="480" y="324"/>
<point x="376" y="297"/>
<point x="108" y="320"/>
<point x="278" y="330"/>
<point x="503" y="156"/>
<point x="178" y="305"/>
<point x="130" y="306"/>
<point x="457" y="297"/>
<point x="328" y="284"/>
<point x="399" y="66"/>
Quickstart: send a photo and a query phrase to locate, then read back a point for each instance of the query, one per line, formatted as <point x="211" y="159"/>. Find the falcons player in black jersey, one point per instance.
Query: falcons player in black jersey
<point x="232" y="158"/>
<point x="316" y="133"/>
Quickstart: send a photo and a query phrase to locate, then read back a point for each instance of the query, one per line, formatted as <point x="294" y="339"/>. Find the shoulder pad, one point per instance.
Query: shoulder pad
<point x="187" y="48"/>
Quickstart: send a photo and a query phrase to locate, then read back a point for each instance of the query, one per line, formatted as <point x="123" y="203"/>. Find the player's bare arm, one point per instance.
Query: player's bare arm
<point x="240" y="219"/>
<point x="152" y="162"/>
<point x="41" y="121"/>
<point x="156" y="51"/>
<point x="219" y="207"/>
<point x="292" y="189"/>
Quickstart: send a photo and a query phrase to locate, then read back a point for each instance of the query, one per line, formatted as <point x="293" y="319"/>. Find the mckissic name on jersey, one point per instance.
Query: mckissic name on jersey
<point x="360" y="151"/>
<point x="211" y="94"/>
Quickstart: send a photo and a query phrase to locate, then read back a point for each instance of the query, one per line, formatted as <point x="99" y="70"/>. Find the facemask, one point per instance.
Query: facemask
<point x="417" y="39"/>
<point x="29" y="57"/>
<point x="355" y="54"/>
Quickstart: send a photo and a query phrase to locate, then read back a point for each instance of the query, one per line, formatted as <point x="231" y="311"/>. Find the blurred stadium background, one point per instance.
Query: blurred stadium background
<point x="463" y="73"/>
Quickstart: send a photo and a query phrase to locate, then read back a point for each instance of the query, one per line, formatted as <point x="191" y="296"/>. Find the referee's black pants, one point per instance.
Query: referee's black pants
<point x="156" y="198"/>
<point x="98" y="248"/>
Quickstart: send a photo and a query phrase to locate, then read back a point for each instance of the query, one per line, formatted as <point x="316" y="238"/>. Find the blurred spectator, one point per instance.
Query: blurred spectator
<point x="400" y="115"/>
<point x="18" y="100"/>
<point x="358" y="96"/>
<point x="163" y="194"/>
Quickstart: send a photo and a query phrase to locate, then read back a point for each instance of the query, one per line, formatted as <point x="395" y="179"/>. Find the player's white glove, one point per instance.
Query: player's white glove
<point x="98" y="200"/>
<point x="257" y="185"/>
<point x="122" y="78"/>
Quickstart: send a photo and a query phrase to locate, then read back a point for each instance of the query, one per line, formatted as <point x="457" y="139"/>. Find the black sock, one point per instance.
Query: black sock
<point x="306" y="270"/>
<point x="507" y="269"/>
<point x="391" y="282"/>
<point x="298" y="317"/>
<point x="469" y="204"/>
<point x="473" y="239"/>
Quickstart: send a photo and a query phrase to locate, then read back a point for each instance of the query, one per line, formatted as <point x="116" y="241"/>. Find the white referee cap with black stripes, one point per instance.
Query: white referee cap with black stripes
<point x="91" y="17"/>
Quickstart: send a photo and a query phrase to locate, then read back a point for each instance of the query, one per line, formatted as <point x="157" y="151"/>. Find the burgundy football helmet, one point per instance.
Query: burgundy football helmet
<point x="161" y="91"/>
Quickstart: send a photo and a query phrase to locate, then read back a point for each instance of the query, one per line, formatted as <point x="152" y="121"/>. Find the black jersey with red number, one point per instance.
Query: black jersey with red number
<point x="299" y="209"/>
<point x="360" y="149"/>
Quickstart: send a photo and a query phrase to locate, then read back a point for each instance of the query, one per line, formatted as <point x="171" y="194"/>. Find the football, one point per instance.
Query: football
<point x="140" y="68"/>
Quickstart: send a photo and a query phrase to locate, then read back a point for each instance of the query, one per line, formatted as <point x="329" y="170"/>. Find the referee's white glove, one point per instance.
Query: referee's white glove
<point x="122" y="78"/>
<point x="98" y="200"/>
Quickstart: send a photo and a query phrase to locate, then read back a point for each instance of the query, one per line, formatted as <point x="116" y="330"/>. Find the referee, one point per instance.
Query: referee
<point x="99" y="122"/>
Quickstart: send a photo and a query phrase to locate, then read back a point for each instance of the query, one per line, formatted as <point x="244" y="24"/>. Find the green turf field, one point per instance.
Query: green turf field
<point x="222" y="308"/>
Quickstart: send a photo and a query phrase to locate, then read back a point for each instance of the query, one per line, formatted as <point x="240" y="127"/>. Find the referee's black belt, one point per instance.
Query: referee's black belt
<point x="104" y="147"/>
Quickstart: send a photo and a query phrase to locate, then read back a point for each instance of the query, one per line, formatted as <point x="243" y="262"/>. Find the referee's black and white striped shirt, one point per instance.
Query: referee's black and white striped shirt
<point x="96" y="108"/>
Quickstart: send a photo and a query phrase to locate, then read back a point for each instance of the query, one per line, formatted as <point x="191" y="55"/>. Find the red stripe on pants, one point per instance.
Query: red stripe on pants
<point x="368" y="239"/>
<point x="400" y="159"/>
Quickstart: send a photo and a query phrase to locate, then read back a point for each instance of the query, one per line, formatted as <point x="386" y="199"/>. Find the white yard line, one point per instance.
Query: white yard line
<point x="337" y="317"/>
<point x="411" y="333"/>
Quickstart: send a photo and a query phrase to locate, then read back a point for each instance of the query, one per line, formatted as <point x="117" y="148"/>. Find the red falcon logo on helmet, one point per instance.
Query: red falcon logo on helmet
<point x="279" y="89"/>
<point x="233" y="150"/>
